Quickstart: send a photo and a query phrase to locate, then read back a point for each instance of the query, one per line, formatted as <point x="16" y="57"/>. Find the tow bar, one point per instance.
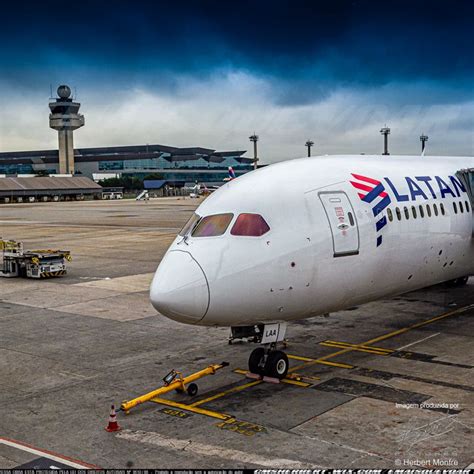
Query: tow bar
<point x="174" y="380"/>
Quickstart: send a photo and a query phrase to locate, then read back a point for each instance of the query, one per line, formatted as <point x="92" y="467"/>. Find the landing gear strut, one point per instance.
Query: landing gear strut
<point x="269" y="362"/>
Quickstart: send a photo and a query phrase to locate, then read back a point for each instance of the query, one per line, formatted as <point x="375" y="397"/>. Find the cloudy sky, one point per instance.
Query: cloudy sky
<point x="210" y="73"/>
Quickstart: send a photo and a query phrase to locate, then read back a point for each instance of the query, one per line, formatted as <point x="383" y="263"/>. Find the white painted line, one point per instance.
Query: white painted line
<point x="45" y="453"/>
<point x="471" y="466"/>
<point x="417" y="342"/>
<point x="188" y="445"/>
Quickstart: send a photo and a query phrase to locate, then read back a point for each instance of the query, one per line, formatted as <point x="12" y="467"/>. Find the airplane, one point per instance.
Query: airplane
<point x="195" y="191"/>
<point x="199" y="189"/>
<point x="312" y="236"/>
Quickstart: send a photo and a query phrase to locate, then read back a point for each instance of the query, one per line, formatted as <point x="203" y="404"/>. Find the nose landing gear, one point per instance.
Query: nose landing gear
<point x="269" y="362"/>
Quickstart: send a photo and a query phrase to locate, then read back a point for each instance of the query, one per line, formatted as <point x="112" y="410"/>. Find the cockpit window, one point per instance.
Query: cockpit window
<point x="193" y="220"/>
<point x="252" y="225"/>
<point x="210" y="226"/>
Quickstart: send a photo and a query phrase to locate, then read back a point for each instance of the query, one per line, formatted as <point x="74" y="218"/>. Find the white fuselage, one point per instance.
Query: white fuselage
<point x="339" y="235"/>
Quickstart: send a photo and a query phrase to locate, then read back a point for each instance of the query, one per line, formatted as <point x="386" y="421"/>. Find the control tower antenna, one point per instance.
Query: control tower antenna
<point x="308" y="145"/>
<point x="254" y="138"/>
<point x="385" y="131"/>
<point x="423" y="140"/>
<point x="64" y="118"/>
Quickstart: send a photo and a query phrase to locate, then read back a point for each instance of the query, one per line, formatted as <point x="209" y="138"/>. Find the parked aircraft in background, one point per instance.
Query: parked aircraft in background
<point x="199" y="188"/>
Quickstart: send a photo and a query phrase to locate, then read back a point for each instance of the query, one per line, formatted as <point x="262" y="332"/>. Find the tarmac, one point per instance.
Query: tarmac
<point x="385" y="385"/>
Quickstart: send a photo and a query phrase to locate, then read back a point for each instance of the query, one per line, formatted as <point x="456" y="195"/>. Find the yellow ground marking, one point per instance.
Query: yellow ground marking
<point x="347" y="344"/>
<point x="382" y="337"/>
<point x="300" y="377"/>
<point x="296" y="382"/>
<point x="194" y="407"/>
<point x="355" y="348"/>
<point x="200" y="411"/>
<point x="242" y="427"/>
<point x="306" y="377"/>
<point x="321" y="360"/>
<point x="227" y="392"/>
<point x="419" y="325"/>
<point x="287" y="381"/>
<point x="175" y="412"/>
<point x="358" y="347"/>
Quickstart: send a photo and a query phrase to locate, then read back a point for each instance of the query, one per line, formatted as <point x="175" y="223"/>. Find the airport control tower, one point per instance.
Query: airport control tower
<point x="64" y="118"/>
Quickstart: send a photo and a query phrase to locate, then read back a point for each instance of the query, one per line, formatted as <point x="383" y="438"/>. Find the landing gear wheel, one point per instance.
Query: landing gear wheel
<point x="277" y="365"/>
<point x="255" y="361"/>
<point x="192" y="389"/>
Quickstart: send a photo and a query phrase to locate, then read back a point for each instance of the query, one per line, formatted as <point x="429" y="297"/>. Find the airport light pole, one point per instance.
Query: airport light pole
<point x="254" y="138"/>
<point x="308" y="145"/>
<point x="423" y="140"/>
<point x="385" y="131"/>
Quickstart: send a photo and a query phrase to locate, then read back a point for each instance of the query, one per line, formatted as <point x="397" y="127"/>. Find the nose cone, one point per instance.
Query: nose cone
<point x="179" y="289"/>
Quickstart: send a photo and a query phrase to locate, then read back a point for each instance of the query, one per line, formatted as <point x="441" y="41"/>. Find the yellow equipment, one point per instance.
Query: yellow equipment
<point x="10" y="246"/>
<point x="174" y="381"/>
<point x="18" y="262"/>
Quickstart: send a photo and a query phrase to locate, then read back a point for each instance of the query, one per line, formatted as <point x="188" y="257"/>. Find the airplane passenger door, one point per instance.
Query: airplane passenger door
<point x="342" y="221"/>
<point x="467" y="178"/>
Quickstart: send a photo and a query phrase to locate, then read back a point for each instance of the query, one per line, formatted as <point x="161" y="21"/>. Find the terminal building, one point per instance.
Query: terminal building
<point x="20" y="189"/>
<point x="176" y="166"/>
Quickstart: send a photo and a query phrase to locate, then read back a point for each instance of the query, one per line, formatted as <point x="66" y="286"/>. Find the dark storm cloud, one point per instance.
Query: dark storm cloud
<point x="309" y="48"/>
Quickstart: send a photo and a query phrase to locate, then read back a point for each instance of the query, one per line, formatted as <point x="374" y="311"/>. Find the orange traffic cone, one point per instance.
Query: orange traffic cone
<point x="113" y="425"/>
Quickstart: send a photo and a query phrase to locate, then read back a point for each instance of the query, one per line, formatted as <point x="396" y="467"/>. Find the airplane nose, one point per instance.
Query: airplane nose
<point x="179" y="289"/>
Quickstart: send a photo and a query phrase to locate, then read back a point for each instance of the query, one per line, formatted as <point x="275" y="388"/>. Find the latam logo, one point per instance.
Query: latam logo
<point x="374" y="192"/>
